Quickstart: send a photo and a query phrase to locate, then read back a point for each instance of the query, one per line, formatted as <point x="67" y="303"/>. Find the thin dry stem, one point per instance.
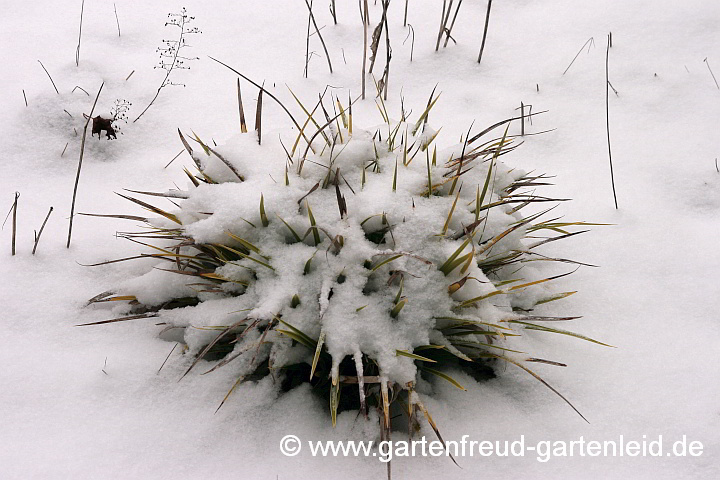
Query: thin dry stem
<point x="77" y="50"/>
<point x="82" y="153"/>
<point x="51" y="79"/>
<point x="365" y="45"/>
<point x="607" y="118"/>
<point x="37" y="234"/>
<point x="322" y="41"/>
<point x="487" y="21"/>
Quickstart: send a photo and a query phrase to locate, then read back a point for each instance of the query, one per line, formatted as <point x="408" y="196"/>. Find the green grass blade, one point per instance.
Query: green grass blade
<point x="405" y="353"/>
<point x="263" y="216"/>
<point x="316" y="357"/>
<point x="313" y="225"/>
<point x="386" y="261"/>
<point x="537" y="377"/>
<point x="558" y="296"/>
<point x="334" y="401"/>
<point x="294" y="234"/>
<point x="444" y="376"/>
<point x="532" y="326"/>
<point x="397" y="308"/>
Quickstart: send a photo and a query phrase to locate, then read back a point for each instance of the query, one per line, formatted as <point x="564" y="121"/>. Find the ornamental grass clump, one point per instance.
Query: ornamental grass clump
<point x="369" y="263"/>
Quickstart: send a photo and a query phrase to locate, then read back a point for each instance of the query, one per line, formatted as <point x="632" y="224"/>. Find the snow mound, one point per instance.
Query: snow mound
<point x="365" y="256"/>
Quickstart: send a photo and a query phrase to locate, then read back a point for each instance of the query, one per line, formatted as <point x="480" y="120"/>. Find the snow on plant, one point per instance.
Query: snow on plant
<point x="119" y="112"/>
<point x="366" y="262"/>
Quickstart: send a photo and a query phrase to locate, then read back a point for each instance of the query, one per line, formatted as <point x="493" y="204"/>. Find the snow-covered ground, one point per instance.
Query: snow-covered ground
<point x="88" y="403"/>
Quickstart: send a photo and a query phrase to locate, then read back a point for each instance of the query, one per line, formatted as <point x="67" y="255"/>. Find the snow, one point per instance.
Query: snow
<point x="358" y="319"/>
<point x="653" y="296"/>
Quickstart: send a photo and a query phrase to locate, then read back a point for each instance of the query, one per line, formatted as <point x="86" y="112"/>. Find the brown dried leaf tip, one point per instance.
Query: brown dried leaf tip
<point x="100" y="124"/>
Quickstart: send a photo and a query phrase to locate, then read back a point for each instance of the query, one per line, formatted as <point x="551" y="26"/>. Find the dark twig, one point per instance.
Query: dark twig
<point x="613" y="89"/>
<point x="411" y="30"/>
<point x="116" y="18"/>
<point x="176" y="156"/>
<point x="78" y="87"/>
<point x="48" y="74"/>
<point x="167" y="358"/>
<point x="307" y="46"/>
<point x="360" y="7"/>
<point x="448" y="31"/>
<point x="444" y="17"/>
<point x="37" y="234"/>
<point x="607" y="117"/>
<point x="66" y="145"/>
<point x="503" y="122"/>
<point x="77" y="51"/>
<point x="388" y="50"/>
<point x="487" y="21"/>
<point x="333" y="11"/>
<point x="312" y="17"/>
<point x="82" y="152"/>
<point x="13" y="210"/>
<point x="25" y="97"/>
<point x="365" y="45"/>
<point x="297" y="125"/>
<point x="170" y="60"/>
<point x="376" y="35"/>
<point x="591" y="41"/>
<point x="711" y="72"/>
<point x="128" y="77"/>
<point x="405" y="17"/>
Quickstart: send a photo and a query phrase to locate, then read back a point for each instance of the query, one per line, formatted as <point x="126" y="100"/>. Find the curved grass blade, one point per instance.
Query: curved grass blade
<point x="153" y="209"/>
<point x="334" y="401"/>
<point x="298" y="338"/>
<point x="414" y="356"/>
<point x="397" y="308"/>
<point x="294" y="234"/>
<point x="386" y="261"/>
<point x="316" y="357"/>
<point x="306" y="339"/>
<point x="559" y="296"/>
<point x="543" y="382"/>
<point x="212" y="344"/>
<point x="121" y="319"/>
<point x="238" y="382"/>
<point x="480" y="345"/>
<point x="444" y="377"/>
<point x="263" y="216"/>
<point x="124" y="217"/>
<point x="313" y="225"/>
<point x="244" y="242"/>
<point x="547" y="362"/>
<point x="435" y="428"/>
<point x="532" y="326"/>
